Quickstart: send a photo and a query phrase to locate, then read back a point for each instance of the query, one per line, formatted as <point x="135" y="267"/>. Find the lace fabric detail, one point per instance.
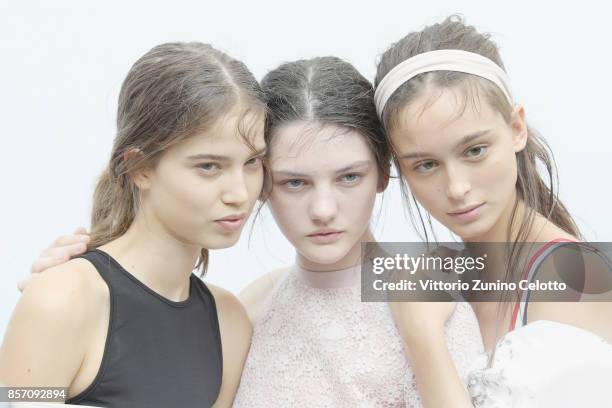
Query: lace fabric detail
<point x="543" y="364"/>
<point x="323" y="347"/>
<point x="490" y="387"/>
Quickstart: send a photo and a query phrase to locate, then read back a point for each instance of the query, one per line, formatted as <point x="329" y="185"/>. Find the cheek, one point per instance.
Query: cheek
<point x="195" y="193"/>
<point x="182" y="192"/>
<point x="285" y="208"/>
<point x="416" y="184"/>
<point x="183" y="204"/>
<point x="359" y="200"/>
<point x="254" y="182"/>
<point x="498" y="173"/>
<point x="427" y="191"/>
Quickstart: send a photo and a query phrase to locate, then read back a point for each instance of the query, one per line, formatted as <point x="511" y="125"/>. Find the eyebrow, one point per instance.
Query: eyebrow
<point x="217" y="157"/>
<point x="464" y="140"/>
<point x="352" y="166"/>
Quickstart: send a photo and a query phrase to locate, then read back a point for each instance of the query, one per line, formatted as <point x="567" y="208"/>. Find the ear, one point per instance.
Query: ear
<point x="142" y="177"/>
<point x="383" y="184"/>
<point x="519" y="128"/>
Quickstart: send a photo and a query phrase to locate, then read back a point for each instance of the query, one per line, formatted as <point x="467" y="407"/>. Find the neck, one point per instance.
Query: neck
<point x="340" y="278"/>
<point x="155" y="257"/>
<point x="495" y="243"/>
<point x="352" y="258"/>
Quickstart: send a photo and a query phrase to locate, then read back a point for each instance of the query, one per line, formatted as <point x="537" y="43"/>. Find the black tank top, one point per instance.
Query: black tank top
<point x="158" y="353"/>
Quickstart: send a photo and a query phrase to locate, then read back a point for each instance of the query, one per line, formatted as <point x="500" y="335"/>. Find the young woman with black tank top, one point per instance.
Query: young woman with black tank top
<point x="128" y="323"/>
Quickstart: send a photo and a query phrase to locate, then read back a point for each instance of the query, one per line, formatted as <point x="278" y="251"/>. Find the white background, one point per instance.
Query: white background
<point x="63" y="62"/>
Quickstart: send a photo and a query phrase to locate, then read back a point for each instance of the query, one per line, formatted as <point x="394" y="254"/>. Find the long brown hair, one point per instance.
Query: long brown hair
<point x="538" y="196"/>
<point x="453" y="33"/>
<point x="171" y="93"/>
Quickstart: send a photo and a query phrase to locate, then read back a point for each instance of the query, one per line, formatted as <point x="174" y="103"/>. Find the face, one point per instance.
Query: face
<point x="325" y="181"/>
<point x="202" y="189"/>
<point x="461" y="167"/>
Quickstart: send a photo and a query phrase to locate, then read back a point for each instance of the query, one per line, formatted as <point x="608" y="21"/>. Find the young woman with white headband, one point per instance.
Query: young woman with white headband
<point x="467" y="156"/>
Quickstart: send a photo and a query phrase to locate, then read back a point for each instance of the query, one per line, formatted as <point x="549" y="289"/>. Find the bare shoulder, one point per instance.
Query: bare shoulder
<point x="236" y="330"/>
<point x="229" y="308"/>
<point x="234" y="323"/>
<point x="64" y="287"/>
<point x="255" y="294"/>
<point x="56" y="315"/>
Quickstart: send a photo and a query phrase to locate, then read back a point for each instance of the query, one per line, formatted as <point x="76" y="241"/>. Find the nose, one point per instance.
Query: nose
<point x="235" y="190"/>
<point x="323" y="207"/>
<point x="458" y="183"/>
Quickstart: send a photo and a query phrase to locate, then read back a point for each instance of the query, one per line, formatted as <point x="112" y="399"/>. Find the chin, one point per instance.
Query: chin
<point x="220" y="242"/>
<point x="466" y="235"/>
<point x="471" y="231"/>
<point x="325" y="255"/>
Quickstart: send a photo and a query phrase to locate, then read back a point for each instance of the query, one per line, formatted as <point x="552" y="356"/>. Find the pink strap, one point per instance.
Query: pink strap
<point x="517" y="305"/>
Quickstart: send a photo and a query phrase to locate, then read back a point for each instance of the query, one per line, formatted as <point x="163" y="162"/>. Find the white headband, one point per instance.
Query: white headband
<point x="440" y="60"/>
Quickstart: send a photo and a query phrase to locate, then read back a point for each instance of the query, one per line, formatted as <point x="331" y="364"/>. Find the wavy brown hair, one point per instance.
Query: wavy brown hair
<point x="171" y="93"/>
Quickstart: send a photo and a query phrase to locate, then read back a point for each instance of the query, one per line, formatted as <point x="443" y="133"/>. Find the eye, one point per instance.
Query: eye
<point x="209" y="168"/>
<point x="294" y="184"/>
<point x="254" y="161"/>
<point x="350" y="178"/>
<point x="425" y="166"/>
<point x="476" y="151"/>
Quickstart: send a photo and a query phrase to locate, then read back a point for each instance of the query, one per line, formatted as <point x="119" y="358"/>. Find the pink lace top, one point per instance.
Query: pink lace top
<point x="317" y="345"/>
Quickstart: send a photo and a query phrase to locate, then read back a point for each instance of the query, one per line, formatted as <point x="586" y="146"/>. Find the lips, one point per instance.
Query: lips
<point x="325" y="236"/>
<point x="465" y="209"/>
<point x="231" y="222"/>
<point x="467" y="214"/>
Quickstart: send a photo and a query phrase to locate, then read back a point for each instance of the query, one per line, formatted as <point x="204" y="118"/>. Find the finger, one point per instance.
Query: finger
<point x="66" y="252"/>
<point x="81" y="231"/>
<point x="69" y="240"/>
<point x="44" y="263"/>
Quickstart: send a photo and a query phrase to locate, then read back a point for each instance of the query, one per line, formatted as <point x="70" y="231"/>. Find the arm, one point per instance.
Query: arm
<point x="236" y="330"/>
<point x="438" y="381"/>
<point x="437" y="378"/>
<point x="46" y="340"/>
<point x="255" y="294"/>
